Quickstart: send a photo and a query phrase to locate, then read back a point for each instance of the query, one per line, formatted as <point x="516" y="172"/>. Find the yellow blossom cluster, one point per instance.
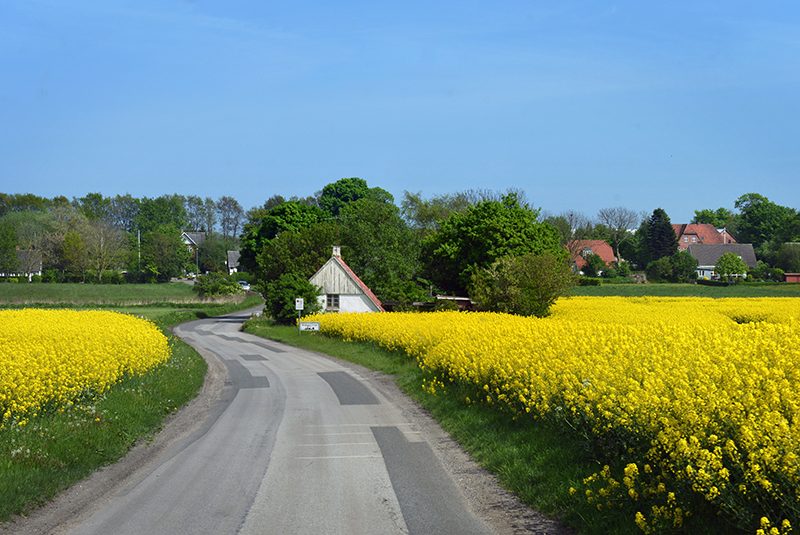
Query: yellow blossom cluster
<point x="51" y="357"/>
<point x="704" y="393"/>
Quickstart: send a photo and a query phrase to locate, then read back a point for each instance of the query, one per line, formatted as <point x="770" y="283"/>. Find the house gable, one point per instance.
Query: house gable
<point x="335" y="277"/>
<point x="583" y="248"/>
<point x="700" y="234"/>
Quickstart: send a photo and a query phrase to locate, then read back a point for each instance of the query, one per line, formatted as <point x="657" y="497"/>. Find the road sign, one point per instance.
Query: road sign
<point x="298" y="304"/>
<point x="309" y="325"/>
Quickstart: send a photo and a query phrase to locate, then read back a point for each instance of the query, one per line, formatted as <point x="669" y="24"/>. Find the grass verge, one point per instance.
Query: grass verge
<point x="58" y="448"/>
<point x="537" y="461"/>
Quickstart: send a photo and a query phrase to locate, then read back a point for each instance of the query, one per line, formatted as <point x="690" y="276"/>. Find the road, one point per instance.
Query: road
<point x="289" y="441"/>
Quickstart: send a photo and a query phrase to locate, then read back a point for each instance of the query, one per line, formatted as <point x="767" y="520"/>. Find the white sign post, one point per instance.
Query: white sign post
<point x="298" y="306"/>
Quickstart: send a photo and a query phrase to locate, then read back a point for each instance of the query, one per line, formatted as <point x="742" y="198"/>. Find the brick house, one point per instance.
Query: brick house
<point x="580" y="249"/>
<point x="700" y="234"/>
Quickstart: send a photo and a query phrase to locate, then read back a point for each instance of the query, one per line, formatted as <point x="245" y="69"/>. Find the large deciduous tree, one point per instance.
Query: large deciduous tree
<point x="483" y="233"/>
<point x="231" y="216"/>
<point x="764" y="223"/>
<point x="620" y="222"/>
<point x="720" y="218"/>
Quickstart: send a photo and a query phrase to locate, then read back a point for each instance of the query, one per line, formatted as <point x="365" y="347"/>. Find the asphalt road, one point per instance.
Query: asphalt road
<point x="294" y="443"/>
<point x="286" y="441"/>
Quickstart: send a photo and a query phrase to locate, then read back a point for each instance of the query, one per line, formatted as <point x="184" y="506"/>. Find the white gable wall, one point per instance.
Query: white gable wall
<point x="350" y="303"/>
<point x="334" y="280"/>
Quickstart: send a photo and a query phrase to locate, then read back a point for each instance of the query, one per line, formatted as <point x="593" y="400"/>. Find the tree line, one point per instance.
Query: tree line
<point x="108" y="239"/>
<point x="462" y="243"/>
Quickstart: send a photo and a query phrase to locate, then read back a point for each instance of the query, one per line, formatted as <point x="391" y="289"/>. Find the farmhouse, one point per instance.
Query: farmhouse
<point x="700" y="233"/>
<point x="580" y="249"/>
<point x="342" y="290"/>
<point x="708" y="255"/>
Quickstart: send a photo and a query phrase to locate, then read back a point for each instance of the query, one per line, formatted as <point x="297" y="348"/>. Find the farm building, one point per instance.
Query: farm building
<point x="700" y="234"/>
<point x="708" y="255"/>
<point x="342" y="290"/>
<point x="791" y="277"/>
<point x="580" y="249"/>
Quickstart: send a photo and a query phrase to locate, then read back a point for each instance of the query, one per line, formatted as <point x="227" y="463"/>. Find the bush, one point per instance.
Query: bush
<point x="730" y="266"/>
<point x="680" y="267"/>
<point x="36" y="278"/>
<point x="659" y="270"/>
<point x="281" y="293"/>
<point x="623" y="269"/>
<point x="216" y="285"/>
<point x="763" y="272"/>
<point x="589" y="281"/>
<point x="242" y="276"/>
<point x="526" y="285"/>
<point x="444" y="305"/>
<point x="594" y="265"/>
<point x="51" y="275"/>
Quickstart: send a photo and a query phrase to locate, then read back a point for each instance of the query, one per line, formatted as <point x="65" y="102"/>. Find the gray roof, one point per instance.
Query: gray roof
<point x="708" y="254"/>
<point x="195" y="238"/>
<point x="233" y="259"/>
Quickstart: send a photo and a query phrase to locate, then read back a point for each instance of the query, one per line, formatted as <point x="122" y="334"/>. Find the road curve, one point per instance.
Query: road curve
<point x="295" y="442"/>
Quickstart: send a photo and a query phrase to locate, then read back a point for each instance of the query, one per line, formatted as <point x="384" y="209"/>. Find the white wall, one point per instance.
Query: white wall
<point x="351" y="303"/>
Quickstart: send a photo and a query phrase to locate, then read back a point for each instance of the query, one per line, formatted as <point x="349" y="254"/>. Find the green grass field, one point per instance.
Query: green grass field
<point x="57" y="449"/>
<point x="690" y="290"/>
<point x="96" y="294"/>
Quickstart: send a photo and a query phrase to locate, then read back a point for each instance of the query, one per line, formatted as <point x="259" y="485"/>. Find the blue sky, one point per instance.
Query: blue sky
<point x="583" y="105"/>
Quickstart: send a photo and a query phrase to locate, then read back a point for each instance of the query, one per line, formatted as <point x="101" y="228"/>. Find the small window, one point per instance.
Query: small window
<point x="332" y="302"/>
<point x="686" y="239"/>
<point x="694" y="239"/>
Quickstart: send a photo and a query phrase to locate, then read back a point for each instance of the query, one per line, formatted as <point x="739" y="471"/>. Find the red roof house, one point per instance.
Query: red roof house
<point x="580" y="249"/>
<point x="700" y="234"/>
<point x="341" y="289"/>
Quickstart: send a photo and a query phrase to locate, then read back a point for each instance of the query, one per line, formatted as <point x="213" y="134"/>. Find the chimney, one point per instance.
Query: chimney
<point x="337" y="251"/>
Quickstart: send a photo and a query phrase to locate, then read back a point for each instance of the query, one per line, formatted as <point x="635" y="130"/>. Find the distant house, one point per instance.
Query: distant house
<point x="29" y="263"/>
<point x="791" y="277"/>
<point x="341" y="289"/>
<point x="232" y="262"/>
<point x="193" y="240"/>
<point x="580" y="249"/>
<point x="707" y="256"/>
<point x="701" y="234"/>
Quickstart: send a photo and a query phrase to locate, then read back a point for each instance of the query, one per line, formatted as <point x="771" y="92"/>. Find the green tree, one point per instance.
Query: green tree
<point x="163" y="211"/>
<point x="761" y="221"/>
<point x="212" y="253"/>
<point x="336" y="195"/>
<point x="483" y="233"/>
<point x="720" y="218"/>
<point x="730" y="265"/>
<point x="281" y="293"/>
<point x="684" y="267"/>
<point x="94" y="206"/>
<point x="302" y="252"/>
<point x="75" y="258"/>
<point x="594" y="265"/>
<point x="8" y="247"/>
<point x="380" y="247"/>
<point x="661" y="238"/>
<point x="788" y="258"/>
<point x="231" y="216"/>
<point x="526" y="285"/>
<point x="266" y="224"/>
<point x="106" y="247"/>
<point x="164" y="254"/>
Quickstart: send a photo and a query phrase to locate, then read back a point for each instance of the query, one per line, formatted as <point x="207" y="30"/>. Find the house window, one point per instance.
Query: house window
<point x="332" y="302"/>
<point x="586" y="252"/>
<point x="694" y="239"/>
<point x="686" y="239"/>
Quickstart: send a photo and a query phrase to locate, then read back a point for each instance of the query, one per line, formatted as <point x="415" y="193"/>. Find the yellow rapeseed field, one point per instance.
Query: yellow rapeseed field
<point x="696" y="400"/>
<point x="51" y="357"/>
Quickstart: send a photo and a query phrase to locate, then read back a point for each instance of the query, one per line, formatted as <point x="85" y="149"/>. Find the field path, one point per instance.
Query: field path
<point x="284" y="440"/>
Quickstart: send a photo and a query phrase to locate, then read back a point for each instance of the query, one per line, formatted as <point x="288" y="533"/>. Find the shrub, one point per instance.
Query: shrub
<point x="730" y="266"/>
<point x="444" y="305"/>
<point x="594" y="265"/>
<point x="281" y="293"/>
<point x="36" y="278"/>
<point x="659" y="270"/>
<point x="216" y="285"/>
<point x="526" y="285"/>
<point x="623" y="269"/>
<point x="589" y="281"/>
<point x="684" y="267"/>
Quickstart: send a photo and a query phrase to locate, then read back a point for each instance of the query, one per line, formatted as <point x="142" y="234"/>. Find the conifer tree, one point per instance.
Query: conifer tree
<point x="661" y="239"/>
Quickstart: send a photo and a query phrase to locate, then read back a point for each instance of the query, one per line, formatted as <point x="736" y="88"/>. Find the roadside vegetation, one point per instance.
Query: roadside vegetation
<point x="63" y="443"/>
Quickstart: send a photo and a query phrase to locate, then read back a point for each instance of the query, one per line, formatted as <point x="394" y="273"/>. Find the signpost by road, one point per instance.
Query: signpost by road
<point x="299" y="305"/>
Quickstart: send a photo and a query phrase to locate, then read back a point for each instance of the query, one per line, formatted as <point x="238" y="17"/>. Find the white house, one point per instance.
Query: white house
<point x="707" y="256"/>
<point x="342" y="290"/>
